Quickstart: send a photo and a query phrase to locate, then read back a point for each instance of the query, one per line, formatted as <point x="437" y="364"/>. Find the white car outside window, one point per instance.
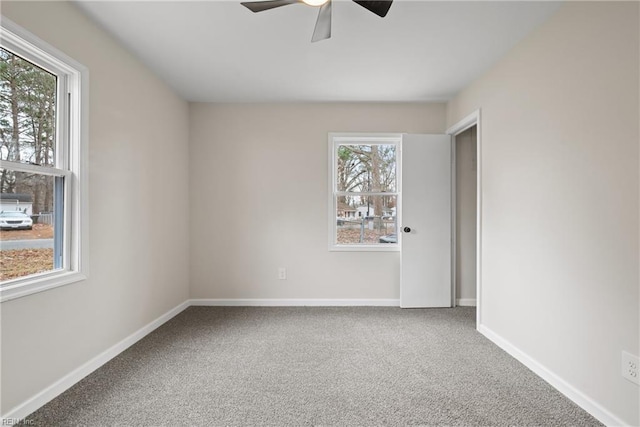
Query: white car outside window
<point x="15" y="221"/>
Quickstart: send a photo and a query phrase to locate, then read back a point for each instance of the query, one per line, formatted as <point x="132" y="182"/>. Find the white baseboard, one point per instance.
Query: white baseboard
<point x="579" y="398"/>
<point x="256" y="302"/>
<point x="45" y="396"/>
<point x="466" y="302"/>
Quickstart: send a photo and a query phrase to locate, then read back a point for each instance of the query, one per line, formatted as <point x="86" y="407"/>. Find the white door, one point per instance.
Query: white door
<point x="425" y="271"/>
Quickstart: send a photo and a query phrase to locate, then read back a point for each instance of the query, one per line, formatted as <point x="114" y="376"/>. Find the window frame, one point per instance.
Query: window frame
<point x="351" y="138"/>
<point x="71" y="159"/>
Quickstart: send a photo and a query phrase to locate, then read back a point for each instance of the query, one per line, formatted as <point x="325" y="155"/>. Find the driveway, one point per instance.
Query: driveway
<point x="7" y="245"/>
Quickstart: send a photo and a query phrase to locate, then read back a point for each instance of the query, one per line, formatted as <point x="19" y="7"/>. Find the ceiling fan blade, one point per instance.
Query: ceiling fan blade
<point x="323" y="24"/>
<point x="380" y="7"/>
<point x="259" y="6"/>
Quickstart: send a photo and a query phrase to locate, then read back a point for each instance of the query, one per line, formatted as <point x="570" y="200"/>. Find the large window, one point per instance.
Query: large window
<point x="43" y="165"/>
<point x="364" y="191"/>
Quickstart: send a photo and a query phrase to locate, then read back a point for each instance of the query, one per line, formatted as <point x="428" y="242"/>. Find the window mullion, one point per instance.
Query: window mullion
<point x="29" y="168"/>
<point x="363" y="193"/>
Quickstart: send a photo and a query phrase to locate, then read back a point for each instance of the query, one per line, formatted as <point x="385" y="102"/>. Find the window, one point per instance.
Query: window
<point x="364" y="204"/>
<point x="43" y="185"/>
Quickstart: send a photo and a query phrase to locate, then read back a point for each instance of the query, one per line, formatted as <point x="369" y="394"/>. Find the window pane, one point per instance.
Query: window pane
<point x="366" y="220"/>
<point x="366" y="168"/>
<point x="27" y="111"/>
<point x="30" y="241"/>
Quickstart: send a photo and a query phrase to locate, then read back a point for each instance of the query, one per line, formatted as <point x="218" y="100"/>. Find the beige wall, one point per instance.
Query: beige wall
<point x="259" y="197"/>
<point x="138" y="248"/>
<point x="560" y="197"/>
<point x="466" y="182"/>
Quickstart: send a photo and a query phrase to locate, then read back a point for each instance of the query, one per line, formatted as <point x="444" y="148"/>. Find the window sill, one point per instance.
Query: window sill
<point x="31" y="285"/>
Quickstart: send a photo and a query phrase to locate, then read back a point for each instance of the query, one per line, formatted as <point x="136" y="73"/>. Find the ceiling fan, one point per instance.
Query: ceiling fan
<point x="323" y="24"/>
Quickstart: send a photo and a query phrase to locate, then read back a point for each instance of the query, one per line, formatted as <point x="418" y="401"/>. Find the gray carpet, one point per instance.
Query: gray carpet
<point x="348" y="366"/>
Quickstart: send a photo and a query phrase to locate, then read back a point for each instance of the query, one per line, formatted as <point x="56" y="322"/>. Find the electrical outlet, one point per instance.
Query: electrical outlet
<point x="631" y="367"/>
<point x="282" y="273"/>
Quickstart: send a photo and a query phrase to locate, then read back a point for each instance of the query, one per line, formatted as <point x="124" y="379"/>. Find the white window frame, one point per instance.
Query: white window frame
<point x="71" y="159"/>
<point x="336" y="139"/>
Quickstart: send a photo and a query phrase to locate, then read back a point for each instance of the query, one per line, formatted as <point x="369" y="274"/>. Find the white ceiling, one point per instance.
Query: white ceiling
<point x="219" y="51"/>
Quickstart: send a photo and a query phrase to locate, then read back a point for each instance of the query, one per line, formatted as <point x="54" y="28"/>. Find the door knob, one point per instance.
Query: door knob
<point x="407" y="230"/>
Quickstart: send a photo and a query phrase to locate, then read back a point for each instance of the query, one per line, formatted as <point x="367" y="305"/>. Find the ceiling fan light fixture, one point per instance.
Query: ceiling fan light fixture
<point x="322" y="31"/>
<point x="315" y="3"/>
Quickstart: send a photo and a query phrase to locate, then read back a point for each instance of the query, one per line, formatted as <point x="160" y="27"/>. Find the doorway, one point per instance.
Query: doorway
<point x="463" y="293"/>
<point x="465" y="190"/>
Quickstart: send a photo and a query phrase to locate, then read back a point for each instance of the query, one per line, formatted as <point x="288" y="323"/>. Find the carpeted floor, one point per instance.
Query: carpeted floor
<point x="347" y="366"/>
